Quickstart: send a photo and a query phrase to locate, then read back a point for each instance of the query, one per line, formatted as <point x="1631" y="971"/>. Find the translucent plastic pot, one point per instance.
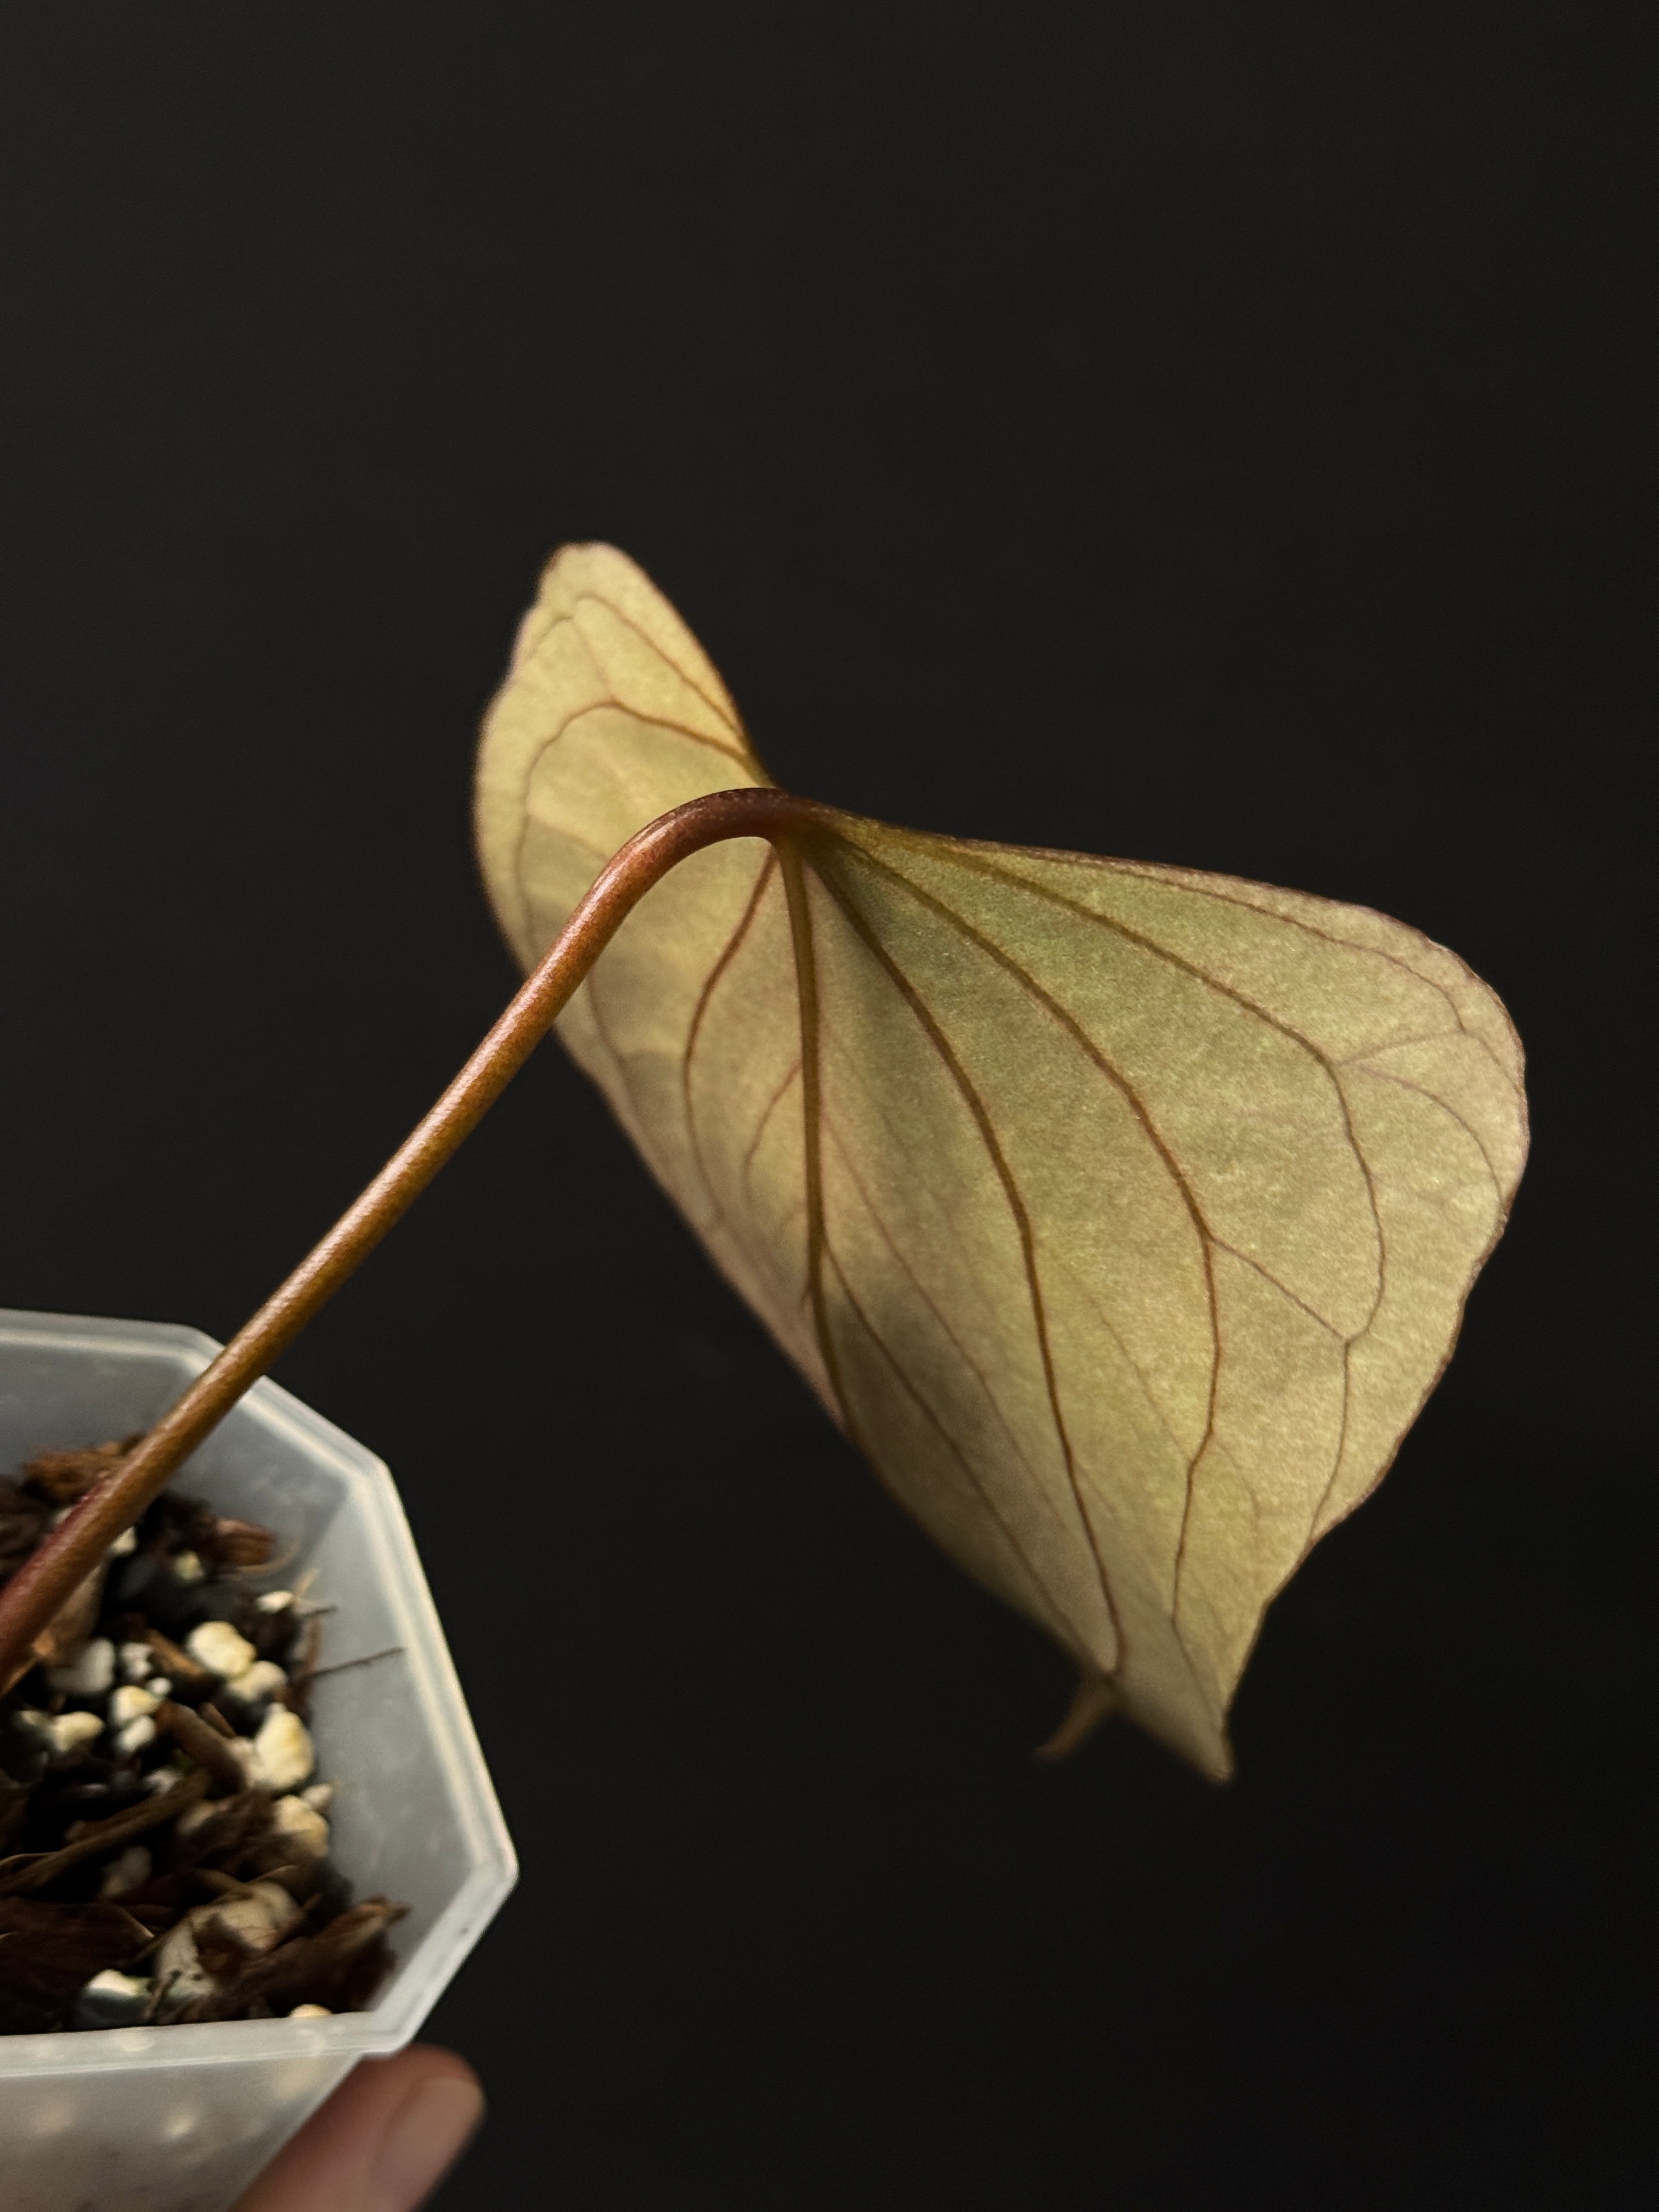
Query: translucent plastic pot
<point x="180" y="2119"/>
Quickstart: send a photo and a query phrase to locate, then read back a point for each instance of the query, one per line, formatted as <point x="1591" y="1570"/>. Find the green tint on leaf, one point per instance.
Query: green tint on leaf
<point x="1122" y="1215"/>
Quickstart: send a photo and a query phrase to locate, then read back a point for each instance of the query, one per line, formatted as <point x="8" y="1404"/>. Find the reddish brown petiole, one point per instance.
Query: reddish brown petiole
<point x="47" y="1579"/>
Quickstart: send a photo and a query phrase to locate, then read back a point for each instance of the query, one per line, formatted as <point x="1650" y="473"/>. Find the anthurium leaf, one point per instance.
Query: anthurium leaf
<point x="1122" y="1215"/>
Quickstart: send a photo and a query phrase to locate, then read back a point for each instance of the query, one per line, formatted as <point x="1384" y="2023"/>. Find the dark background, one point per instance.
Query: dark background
<point x="1201" y="433"/>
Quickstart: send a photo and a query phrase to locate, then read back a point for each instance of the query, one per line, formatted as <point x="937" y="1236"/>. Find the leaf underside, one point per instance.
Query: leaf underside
<point x="1122" y="1215"/>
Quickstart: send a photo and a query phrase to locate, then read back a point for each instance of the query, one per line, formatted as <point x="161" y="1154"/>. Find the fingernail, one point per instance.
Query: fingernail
<point x="427" y="2135"/>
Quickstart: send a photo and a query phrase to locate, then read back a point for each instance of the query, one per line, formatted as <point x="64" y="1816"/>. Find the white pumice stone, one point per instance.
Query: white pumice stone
<point x="255" y="1684"/>
<point x="216" y="1646"/>
<point x="301" y="1825"/>
<point x="130" y="1871"/>
<point x="70" y="1730"/>
<point x="137" y="1735"/>
<point x="125" y="1542"/>
<point x="283" y="1754"/>
<point x="89" y="1673"/>
<point x="311" y="2012"/>
<point x="131" y="1703"/>
<point x="320" y="1797"/>
<point x="275" y="1601"/>
<point x="179" y="1970"/>
<point x="112" y="2000"/>
<point x="136" y="1661"/>
<point x="188" y="1568"/>
<point x="259" y="1919"/>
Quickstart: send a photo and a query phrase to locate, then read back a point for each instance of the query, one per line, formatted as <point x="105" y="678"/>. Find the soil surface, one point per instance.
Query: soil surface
<point x="163" y="1833"/>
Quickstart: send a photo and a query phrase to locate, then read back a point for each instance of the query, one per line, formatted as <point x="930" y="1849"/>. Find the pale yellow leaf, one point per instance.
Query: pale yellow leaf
<point x="1122" y="1215"/>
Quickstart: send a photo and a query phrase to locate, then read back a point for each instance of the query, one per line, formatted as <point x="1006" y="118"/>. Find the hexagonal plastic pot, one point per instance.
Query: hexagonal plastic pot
<point x="180" y="2119"/>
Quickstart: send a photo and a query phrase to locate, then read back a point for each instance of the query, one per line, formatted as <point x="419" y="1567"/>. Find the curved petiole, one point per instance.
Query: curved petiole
<point x="48" y="1578"/>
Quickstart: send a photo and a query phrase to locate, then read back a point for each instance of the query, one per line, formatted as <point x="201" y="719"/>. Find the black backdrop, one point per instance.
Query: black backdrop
<point x="1200" y="432"/>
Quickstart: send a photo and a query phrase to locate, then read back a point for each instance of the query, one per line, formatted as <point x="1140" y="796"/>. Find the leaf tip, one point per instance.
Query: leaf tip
<point x="1094" y="1700"/>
